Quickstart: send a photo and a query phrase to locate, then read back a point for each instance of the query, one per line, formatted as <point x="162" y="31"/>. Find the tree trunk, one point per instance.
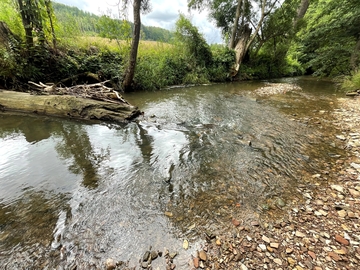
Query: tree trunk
<point x="50" y="13"/>
<point x="66" y="106"/>
<point x="129" y="76"/>
<point x="26" y="20"/>
<point x="304" y="5"/>
<point x="236" y="25"/>
<point x="241" y="46"/>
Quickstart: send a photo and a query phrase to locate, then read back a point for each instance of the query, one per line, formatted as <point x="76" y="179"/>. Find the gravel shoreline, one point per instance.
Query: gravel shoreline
<point x="320" y="231"/>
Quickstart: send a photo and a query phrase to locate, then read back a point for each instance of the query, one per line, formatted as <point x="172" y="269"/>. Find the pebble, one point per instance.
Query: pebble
<point x="342" y="213"/>
<point x="338" y="188"/>
<point x="110" y="264"/>
<point x="196" y="262"/>
<point x="278" y="261"/>
<point x="299" y="234"/>
<point x="341" y="240"/>
<point x="202" y="255"/>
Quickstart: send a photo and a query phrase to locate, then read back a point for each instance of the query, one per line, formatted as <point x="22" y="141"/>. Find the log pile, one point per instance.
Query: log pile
<point x="97" y="91"/>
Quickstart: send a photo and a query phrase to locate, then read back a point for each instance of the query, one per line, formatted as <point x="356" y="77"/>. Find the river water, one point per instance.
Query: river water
<point x="75" y="193"/>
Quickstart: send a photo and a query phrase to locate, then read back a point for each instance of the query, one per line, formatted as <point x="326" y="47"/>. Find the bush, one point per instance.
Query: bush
<point x="352" y="82"/>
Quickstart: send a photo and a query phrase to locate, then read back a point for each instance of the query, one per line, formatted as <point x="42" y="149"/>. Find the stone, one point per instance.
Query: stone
<point x="338" y="188"/>
<point x="196" y="262"/>
<point x="154" y="255"/>
<point x="289" y="250"/>
<point x="243" y="267"/>
<point x="266" y="239"/>
<point x="274" y="245"/>
<point x="334" y="256"/>
<point x="312" y="255"/>
<point x="262" y="247"/>
<point x="110" y="264"/>
<point x="218" y="242"/>
<point x="340" y="251"/>
<point x="341" y="137"/>
<point x="354" y="193"/>
<point x="280" y="202"/>
<point x="291" y="261"/>
<point x="172" y="255"/>
<point x="341" y="240"/>
<point x="186" y="244"/>
<point x="342" y="213"/>
<point x="235" y="222"/>
<point x="300" y="234"/>
<point x="146" y="256"/>
<point x="168" y="214"/>
<point x="278" y="261"/>
<point x="144" y="265"/>
<point x="202" y="255"/>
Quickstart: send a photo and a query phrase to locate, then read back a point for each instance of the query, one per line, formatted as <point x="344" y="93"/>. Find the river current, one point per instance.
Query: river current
<point x="75" y="193"/>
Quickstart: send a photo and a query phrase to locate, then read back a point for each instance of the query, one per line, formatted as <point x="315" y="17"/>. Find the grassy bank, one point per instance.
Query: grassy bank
<point x="159" y="64"/>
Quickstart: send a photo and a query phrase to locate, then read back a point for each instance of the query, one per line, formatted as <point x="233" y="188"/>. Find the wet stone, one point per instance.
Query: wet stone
<point x="146" y="256"/>
<point x="154" y="255"/>
<point x="110" y="264"/>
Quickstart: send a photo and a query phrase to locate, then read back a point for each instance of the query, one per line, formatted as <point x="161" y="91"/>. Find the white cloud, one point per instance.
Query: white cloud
<point x="163" y="14"/>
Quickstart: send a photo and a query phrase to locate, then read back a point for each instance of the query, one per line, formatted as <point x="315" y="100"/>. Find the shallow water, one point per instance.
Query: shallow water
<point x="74" y="193"/>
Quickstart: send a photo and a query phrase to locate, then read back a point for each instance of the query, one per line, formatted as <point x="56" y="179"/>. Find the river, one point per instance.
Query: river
<point x="75" y="193"/>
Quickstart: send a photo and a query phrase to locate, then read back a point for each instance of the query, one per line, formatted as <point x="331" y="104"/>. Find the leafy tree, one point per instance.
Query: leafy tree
<point x="330" y="44"/>
<point x="194" y="42"/>
<point x="240" y="20"/>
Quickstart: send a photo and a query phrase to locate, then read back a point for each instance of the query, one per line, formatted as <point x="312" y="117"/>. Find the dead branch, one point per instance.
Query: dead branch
<point x="96" y="91"/>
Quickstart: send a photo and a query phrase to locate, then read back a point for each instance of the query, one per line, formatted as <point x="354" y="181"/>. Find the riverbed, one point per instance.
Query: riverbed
<point x="75" y="194"/>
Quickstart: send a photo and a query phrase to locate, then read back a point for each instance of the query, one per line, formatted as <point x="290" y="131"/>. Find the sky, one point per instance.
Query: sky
<point x="164" y="14"/>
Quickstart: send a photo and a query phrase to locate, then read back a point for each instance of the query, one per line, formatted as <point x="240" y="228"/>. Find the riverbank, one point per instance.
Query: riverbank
<point x="320" y="231"/>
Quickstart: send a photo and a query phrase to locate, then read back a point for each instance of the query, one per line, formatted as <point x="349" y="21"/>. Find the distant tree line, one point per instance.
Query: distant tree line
<point x="86" y="23"/>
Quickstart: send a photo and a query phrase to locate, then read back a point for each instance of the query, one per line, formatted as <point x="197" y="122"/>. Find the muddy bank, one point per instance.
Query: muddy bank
<point x="66" y="106"/>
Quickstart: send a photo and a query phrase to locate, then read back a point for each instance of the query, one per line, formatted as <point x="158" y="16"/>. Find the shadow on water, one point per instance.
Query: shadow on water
<point x="199" y="158"/>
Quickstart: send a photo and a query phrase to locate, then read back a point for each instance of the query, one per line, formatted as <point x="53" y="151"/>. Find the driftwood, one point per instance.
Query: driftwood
<point x="68" y="106"/>
<point x="96" y="91"/>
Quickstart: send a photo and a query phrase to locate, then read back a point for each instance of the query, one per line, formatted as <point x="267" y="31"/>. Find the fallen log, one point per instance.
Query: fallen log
<point x="69" y="106"/>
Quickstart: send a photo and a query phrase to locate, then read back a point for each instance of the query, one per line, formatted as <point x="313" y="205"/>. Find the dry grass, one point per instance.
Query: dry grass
<point x="85" y="42"/>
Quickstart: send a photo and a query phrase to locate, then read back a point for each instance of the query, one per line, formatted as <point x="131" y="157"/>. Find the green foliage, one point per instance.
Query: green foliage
<point x="11" y="17"/>
<point x="328" y="42"/>
<point x="114" y="29"/>
<point x="223" y="60"/>
<point x="352" y="82"/>
<point x="194" y="43"/>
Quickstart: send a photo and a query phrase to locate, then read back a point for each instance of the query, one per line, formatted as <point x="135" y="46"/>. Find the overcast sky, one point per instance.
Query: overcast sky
<point x="164" y="14"/>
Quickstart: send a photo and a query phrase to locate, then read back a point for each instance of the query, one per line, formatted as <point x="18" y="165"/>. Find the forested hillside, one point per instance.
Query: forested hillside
<point x="72" y="19"/>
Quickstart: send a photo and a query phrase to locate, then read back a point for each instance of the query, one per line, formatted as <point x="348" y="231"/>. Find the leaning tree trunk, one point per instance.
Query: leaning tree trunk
<point x="304" y="5"/>
<point x="236" y="25"/>
<point x="129" y="76"/>
<point x="242" y="47"/>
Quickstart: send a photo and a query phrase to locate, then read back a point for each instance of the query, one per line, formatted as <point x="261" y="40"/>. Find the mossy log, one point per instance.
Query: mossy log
<point x="67" y="106"/>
